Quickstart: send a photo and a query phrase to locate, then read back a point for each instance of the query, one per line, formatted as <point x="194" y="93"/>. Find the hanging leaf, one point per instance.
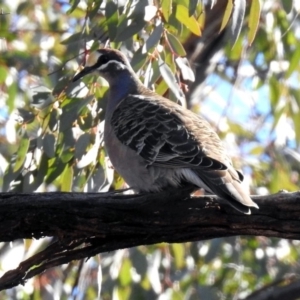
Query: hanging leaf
<point x="166" y="7"/>
<point x="294" y="63"/>
<point x="81" y="145"/>
<point x="287" y="5"/>
<point x="192" y="6"/>
<point x="238" y="16"/>
<point x="175" y="44"/>
<point x="185" y="69"/>
<point x="253" y="20"/>
<point x="22" y="151"/>
<point x="227" y="14"/>
<point x="67" y="178"/>
<point x="170" y="79"/>
<point x="111" y="15"/>
<point x="49" y="145"/>
<point x="182" y="15"/>
<point x="127" y="28"/>
<point x="154" y="38"/>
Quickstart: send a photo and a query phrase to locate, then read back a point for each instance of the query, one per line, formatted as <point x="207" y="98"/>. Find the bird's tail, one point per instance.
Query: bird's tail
<point x="227" y="185"/>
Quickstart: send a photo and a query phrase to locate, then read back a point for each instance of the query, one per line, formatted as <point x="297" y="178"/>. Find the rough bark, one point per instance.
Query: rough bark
<point x="86" y="224"/>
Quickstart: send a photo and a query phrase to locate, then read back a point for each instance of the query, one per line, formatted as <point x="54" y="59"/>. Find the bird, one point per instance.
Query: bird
<point x="158" y="145"/>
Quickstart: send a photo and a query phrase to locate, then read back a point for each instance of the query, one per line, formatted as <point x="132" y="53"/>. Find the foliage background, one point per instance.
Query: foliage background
<point x="50" y="129"/>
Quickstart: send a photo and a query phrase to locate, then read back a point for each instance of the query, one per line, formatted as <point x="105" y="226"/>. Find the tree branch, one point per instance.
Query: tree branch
<point x="86" y="224"/>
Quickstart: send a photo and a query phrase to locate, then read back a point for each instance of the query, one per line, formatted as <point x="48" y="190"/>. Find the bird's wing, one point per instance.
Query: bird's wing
<point x="166" y="135"/>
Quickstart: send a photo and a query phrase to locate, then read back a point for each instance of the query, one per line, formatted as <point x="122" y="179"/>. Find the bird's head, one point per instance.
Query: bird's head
<point x="108" y="63"/>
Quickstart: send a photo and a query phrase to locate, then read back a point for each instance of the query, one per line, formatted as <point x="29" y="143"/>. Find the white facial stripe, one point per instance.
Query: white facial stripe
<point x="119" y="65"/>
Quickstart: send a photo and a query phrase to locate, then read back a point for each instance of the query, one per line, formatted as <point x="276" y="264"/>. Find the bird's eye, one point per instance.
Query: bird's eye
<point x="103" y="59"/>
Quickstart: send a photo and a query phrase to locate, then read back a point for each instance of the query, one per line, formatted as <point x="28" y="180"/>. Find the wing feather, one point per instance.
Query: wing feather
<point x="166" y="135"/>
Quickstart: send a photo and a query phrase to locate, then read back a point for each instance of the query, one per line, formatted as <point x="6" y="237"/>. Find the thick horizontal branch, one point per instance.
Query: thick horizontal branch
<point x="151" y="218"/>
<point x="87" y="224"/>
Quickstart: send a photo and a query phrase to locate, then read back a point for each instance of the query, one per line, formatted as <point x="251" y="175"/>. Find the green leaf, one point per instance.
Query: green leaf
<point x="81" y="145"/>
<point x="41" y="172"/>
<point x="67" y="178"/>
<point x="49" y="145"/>
<point x="74" y="38"/>
<point x="175" y="45"/>
<point x="53" y="120"/>
<point x="178" y="252"/>
<point x="166" y="6"/>
<point x="74" y="4"/>
<point x="161" y="88"/>
<point x="138" y="59"/>
<point x="71" y="110"/>
<point x="287" y="5"/>
<point x="3" y="73"/>
<point x="12" y="93"/>
<point x="126" y="31"/>
<point x="238" y="16"/>
<point x="257" y="150"/>
<point x="124" y="275"/>
<point x="154" y="38"/>
<point x="170" y="79"/>
<point x="21" y="153"/>
<point x="193" y="6"/>
<point x="294" y="63"/>
<point x="182" y="15"/>
<point x="274" y="89"/>
<point x="253" y="20"/>
<point x="112" y="16"/>
<point x="227" y="14"/>
<point x="55" y="170"/>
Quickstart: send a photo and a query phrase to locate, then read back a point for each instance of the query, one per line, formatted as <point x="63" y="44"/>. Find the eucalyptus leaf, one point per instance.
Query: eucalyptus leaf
<point x="170" y="79"/>
<point x="49" y="144"/>
<point x="253" y="21"/>
<point x="238" y="16"/>
<point x="22" y="152"/>
<point x="81" y="145"/>
<point x="182" y="15"/>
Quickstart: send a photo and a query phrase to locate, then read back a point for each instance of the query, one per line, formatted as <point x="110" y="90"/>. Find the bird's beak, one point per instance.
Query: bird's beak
<point x="82" y="73"/>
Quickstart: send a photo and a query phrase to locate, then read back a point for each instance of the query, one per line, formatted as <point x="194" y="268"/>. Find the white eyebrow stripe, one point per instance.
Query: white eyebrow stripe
<point x="119" y="64"/>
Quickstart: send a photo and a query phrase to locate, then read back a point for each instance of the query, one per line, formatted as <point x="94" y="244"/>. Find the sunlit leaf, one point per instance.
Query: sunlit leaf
<point x="55" y="170"/>
<point x="67" y="178"/>
<point x="178" y="252"/>
<point x="3" y="74"/>
<point x="294" y="63"/>
<point x="227" y="14"/>
<point x="166" y="6"/>
<point x="182" y="15"/>
<point x="238" y="16"/>
<point x="253" y="20"/>
<point x="22" y="152"/>
<point x="124" y="275"/>
<point x="74" y="4"/>
<point x="175" y="44"/>
<point x="185" y="69"/>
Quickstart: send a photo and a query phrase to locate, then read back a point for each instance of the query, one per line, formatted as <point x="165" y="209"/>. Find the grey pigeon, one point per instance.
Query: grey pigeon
<point x="156" y="144"/>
